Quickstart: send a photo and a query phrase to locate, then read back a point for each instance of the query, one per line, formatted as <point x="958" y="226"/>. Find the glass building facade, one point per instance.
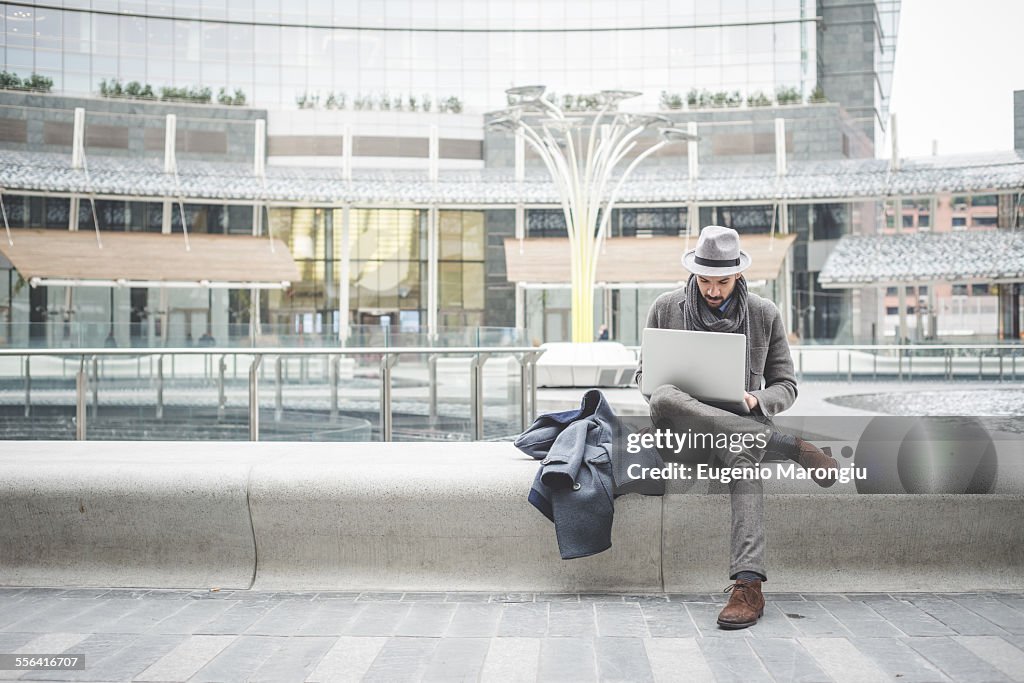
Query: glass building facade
<point x="387" y="264"/>
<point x="276" y="51"/>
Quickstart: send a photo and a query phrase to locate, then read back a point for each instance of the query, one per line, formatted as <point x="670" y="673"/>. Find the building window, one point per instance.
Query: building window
<point x="461" y="236"/>
<point x="979" y="290"/>
<point x="213" y="219"/>
<point x="387" y="277"/>
<point x="388" y="271"/>
<point x="461" y="273"/>
<point x="891" y="291"/>
<point x="959" y="290"/>
<point x="830" y="221"/>
<point x="985" y="221"/>
<point x="892" y="310"/>
<point x="545" y="223"/>
<point x="650" y="222"/>
<point x="743" y="219"/>
<point x="37" y="212"/>
<point x="959" y="221"/>
<point x="123" y="216"/>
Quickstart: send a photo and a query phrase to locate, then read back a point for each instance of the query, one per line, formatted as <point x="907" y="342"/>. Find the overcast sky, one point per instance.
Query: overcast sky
<point x="957" y="65"/>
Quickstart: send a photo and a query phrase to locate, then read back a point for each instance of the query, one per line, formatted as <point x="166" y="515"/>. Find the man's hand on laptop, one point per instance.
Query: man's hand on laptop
<point x="751" y="401"/>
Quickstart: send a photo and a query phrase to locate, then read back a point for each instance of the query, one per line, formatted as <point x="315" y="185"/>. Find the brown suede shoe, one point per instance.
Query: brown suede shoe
<point x="812" y="458"/>
<point x="745" y="606"/>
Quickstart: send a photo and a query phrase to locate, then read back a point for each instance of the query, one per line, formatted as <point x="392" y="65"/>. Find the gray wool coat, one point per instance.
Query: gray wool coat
<point x="771" y="378"/>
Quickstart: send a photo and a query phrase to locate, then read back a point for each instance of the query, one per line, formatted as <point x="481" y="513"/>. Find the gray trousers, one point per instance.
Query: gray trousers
<point x="676" y="410"/>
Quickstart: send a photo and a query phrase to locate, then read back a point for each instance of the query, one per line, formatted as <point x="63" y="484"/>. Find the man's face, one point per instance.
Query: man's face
<point x="715" y="290"/>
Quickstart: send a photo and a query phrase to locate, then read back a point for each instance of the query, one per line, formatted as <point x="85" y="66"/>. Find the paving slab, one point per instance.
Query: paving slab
<point x="512" y="659"/>
<point x="567" y="659"/>
<point x="622" y="659"/>
<point x="527" y="619"/>
<point x="474" y="620"/>
<point x="184" y="661"/>
<point x="911" y="620"/>
<point x="899" y="660"/>
<point x="842" y="661"/>
<point x="677" y="660"/>
<point x="402" y="659"/>
<point x="956" y="661"/>
<point x="999" y="652"/>
<point x="348" y="660"/>
<point x="293" y="661"/>
<point x="786" y="659"/>
<point x="457" y="659"/>
<point x="734" y="661"/>
<point x="304" y="637"/>
<point x="45" y="616"/>
<point x="957" y="617"/>
<point x="237" y="619"/>
<point x="670" y="620"/>
<point x="331" y="617"/>
<point x="624" y="621"/>
<point x="995" y="611"/>
<point x="572" y="619"/>
<point x="860" y="620"/>
<point x="774" y="624"/>
<point x="811" y="618"/>
<point x="96" y="648"/>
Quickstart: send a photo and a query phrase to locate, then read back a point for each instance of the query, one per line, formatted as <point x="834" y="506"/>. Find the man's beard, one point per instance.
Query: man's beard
<point x="713" y="303"/>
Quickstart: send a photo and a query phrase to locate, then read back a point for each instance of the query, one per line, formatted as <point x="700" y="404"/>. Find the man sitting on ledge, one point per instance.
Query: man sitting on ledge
<point x="715" y="299"/>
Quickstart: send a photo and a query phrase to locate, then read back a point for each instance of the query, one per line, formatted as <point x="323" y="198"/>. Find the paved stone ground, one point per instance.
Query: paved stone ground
<point x="140" y="635"/>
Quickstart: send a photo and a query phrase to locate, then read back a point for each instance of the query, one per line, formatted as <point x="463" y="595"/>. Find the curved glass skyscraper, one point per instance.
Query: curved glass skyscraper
<point x="277" y="51"/>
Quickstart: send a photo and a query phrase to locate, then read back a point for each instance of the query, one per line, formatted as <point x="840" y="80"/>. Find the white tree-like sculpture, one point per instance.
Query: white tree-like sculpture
<point x="582" y="167"/>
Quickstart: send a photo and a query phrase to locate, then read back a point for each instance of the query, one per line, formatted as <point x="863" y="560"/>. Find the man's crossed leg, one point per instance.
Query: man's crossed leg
<point x="677" y="411"/>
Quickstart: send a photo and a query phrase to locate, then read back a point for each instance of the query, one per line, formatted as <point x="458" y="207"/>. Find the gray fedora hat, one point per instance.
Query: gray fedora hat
<point x="717" y="254"/>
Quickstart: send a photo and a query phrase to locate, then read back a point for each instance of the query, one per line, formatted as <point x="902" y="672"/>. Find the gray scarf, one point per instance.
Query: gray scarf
<point x="697" y="315"/>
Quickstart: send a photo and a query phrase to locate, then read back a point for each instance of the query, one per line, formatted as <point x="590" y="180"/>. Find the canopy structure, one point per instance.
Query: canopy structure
<point x="971" y="256"/>
<point x="628" y="260"/>
<point x="133" y="259"/>
<point x="840" y="180"/>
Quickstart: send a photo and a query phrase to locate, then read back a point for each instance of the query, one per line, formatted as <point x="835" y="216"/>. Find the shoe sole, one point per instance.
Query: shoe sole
<point x="746" y="624"/>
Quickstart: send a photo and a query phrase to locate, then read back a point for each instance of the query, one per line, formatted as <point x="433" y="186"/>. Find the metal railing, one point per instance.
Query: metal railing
<point x="88" y="374"/>
<point x="72" y="336"/>
<point x="936" y="361"/>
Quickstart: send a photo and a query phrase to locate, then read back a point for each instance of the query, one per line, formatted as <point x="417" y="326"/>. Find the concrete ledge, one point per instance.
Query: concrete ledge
<point x="126" y="514"/>
<point x="446" y="517"/>
<point x="849" y="542"/>
<point x="430" y="516"/>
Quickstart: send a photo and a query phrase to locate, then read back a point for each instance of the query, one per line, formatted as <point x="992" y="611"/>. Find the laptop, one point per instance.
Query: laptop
<point x="709" y="366"/>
